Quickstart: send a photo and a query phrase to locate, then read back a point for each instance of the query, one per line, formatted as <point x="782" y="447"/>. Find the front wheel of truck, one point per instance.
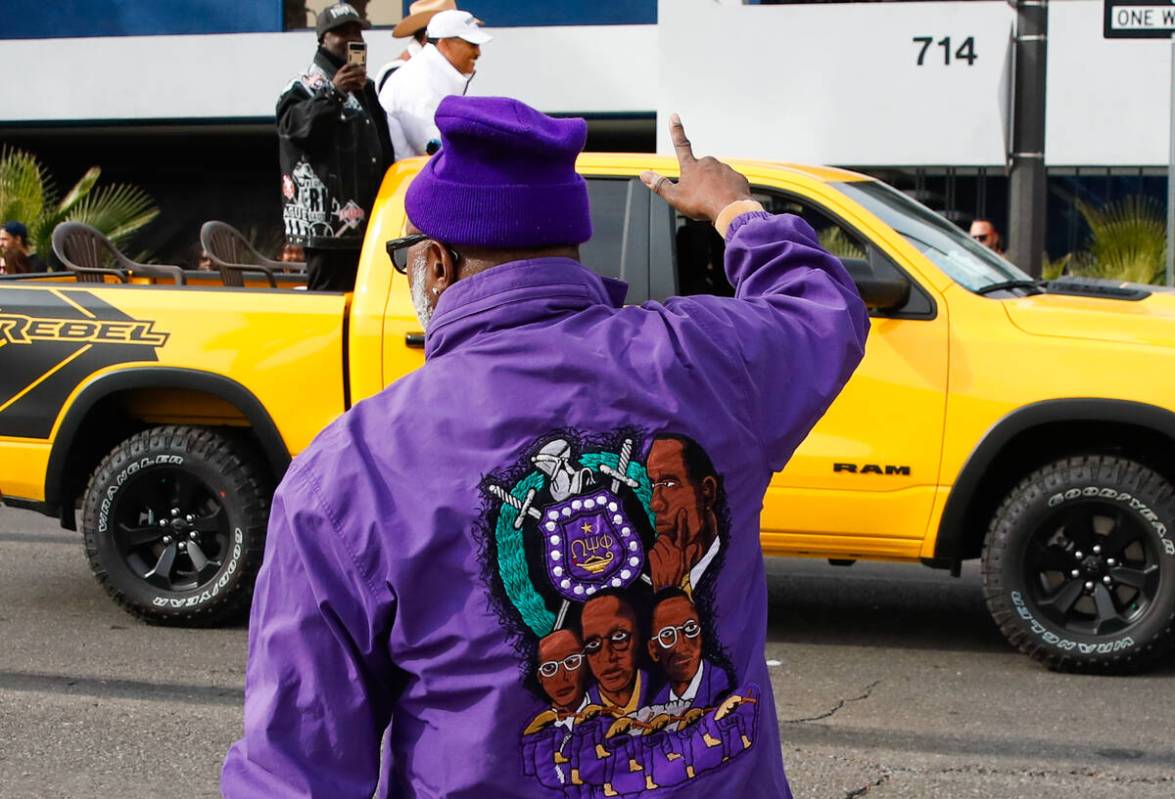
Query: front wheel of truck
<point x="1079" y="565"/>
<point x="174" y="523"/>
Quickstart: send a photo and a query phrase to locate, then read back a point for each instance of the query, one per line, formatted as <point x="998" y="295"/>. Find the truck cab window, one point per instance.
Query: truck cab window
<point x="693" y="264"/>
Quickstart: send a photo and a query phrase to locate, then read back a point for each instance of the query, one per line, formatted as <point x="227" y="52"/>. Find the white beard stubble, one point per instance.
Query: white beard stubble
<point x="419" y="293"/>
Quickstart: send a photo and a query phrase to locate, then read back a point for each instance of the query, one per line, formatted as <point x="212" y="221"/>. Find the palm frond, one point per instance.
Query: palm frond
<point x="80" y="189"/>
<point x="1128" y="241"/>
<point x="118" y="210"/>
<point x="25" y="187"/>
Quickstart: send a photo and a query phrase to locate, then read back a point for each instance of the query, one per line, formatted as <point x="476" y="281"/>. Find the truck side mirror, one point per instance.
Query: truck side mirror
<point x="879" y="294"/>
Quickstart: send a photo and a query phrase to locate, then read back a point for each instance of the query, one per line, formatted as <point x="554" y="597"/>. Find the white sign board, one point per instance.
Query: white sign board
<point x="1135" y="20"/>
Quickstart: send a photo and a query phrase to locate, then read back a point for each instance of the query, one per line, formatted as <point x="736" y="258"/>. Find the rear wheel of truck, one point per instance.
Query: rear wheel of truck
<point x="174" y="523"/>
<point x="1079" y="565"/>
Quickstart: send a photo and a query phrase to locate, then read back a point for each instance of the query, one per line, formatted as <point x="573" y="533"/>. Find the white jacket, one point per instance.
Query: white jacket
<point x="411" y="96"/>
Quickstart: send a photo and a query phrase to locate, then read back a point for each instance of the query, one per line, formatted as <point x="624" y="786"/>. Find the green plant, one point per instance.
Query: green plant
<point x="840" y="244"/>
<point x="28" y="194"/>
<point x="1053" y="268"/>
<point x="1127" y="241"/>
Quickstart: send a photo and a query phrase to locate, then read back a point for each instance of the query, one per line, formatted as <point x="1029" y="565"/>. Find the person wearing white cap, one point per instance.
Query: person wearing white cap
<point x="413" y="27"/>
<point x="444" y="67"/>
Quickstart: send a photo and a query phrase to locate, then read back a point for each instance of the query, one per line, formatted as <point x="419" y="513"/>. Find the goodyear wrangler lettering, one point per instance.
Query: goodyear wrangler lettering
<point x="20" y="329"/>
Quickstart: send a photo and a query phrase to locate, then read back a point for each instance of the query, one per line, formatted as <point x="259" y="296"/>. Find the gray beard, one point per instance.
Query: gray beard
<point x="419" y="294"/>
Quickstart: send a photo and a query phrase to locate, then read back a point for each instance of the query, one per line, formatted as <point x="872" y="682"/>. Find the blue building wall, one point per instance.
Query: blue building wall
<point x="38" y="19"/>
<point x="526" y="13"/>
<point x="44" y="19"/>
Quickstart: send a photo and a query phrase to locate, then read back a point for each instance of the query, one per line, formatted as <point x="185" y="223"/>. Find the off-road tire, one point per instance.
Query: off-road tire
<point x="126" y="498"/>
<point x="1123" y="500"/>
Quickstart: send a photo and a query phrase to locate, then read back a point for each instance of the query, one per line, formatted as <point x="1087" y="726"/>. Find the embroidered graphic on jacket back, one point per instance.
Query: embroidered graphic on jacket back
<point x="602" y="552"/>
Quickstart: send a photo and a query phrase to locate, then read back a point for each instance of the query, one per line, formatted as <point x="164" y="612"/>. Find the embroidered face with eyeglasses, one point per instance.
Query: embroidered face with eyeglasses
<point x="609" y="630"/>
<point x="560" y="670"/>
<point x="677" y="640"/>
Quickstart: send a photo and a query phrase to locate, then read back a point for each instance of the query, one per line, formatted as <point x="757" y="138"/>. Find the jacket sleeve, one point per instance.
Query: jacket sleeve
<point x="796" y="325"/>
<point x="317" y="684"/>
<point x="307" y="118"/>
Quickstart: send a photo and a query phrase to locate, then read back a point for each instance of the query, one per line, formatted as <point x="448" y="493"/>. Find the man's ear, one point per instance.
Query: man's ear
<point x="653" y="654"/>
<point x="709" y="491"/>
<point x="442" y="269"/>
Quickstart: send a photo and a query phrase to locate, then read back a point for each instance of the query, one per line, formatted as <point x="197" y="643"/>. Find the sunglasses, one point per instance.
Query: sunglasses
<point x="398" y="251"/>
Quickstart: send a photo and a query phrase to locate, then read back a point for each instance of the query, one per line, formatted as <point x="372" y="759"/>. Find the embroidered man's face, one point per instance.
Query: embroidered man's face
<point x="561" y="672"/>
<point x="609" y="630"/>
<point x="681" y="506"/>
<point x="677" y="639"/>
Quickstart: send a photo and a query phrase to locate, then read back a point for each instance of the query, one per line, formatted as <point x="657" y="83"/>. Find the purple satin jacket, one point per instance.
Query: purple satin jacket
<point x="479" y="582"/>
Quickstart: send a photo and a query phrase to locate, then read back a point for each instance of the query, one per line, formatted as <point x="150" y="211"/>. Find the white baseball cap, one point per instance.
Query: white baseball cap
<point x="457" y="25"/>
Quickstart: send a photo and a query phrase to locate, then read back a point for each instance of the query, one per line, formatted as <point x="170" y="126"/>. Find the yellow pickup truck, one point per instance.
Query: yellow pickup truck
<point x="1027" y="424"/>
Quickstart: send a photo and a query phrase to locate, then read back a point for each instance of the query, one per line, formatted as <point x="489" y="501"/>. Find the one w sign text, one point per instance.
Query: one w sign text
<point x="1139" y="19"/>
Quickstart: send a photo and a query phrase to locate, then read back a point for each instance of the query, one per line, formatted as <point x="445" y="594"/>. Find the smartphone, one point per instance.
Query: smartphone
<point x="357" y="54"/>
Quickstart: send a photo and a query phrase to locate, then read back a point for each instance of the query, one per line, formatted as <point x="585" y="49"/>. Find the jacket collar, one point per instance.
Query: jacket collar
<point x="514" y="294"/>
<point x="327" y="61"/>
<point x="454" y="81"/>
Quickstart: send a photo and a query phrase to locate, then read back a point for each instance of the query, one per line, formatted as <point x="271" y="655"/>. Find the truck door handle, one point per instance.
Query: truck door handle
<point x="414" y="340"/>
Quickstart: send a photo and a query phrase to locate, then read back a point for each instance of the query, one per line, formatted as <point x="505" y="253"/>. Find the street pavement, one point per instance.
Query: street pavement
<point x="890" y="681"/>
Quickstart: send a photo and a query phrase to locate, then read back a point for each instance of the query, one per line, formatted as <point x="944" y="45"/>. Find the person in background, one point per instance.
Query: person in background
<point x="334" y="149"/>
<point x="444" y="67"/>
<point x="984" y="232"/>
<point x="291" y="254"/>
<point x="414" y="27"/>
<point x="15" y="256"/>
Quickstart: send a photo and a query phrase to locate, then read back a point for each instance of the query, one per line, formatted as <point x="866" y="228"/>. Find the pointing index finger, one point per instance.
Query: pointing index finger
<point x="685" y="152"/>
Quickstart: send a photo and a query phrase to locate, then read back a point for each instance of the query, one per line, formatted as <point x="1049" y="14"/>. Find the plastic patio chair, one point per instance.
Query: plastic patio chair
<point x="92" y="257"/>
<point x="234" y="256"/>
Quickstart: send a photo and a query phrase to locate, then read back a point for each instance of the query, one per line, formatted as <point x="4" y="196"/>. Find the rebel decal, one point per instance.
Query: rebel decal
<point x="601" y="553"/>
<point x="20" y="329"/>
<point x="50" y="341"/>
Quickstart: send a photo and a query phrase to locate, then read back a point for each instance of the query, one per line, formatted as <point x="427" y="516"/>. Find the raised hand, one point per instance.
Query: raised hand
<point x="350" y="78"/>
<point x="706" y="185"/>
<point x="668" y="561"/>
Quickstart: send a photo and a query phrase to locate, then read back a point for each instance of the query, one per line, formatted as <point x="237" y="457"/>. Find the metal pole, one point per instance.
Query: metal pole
<point x="1027" y="187"/>
<point x="1171" y="179"/>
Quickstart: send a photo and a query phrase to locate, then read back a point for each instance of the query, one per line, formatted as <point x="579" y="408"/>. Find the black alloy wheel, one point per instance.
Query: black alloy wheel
<point x="174" y="520"/>
<point x="1079" y="565"/>
<point x="171" y="529"/>
<point x="1092" y="569"/>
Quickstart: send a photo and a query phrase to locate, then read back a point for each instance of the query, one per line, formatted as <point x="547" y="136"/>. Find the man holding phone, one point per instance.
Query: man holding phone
<point x="334" y="148"/>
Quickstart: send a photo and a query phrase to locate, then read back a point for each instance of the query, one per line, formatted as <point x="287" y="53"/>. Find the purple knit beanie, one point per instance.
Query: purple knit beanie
<point x="504" y="177"/>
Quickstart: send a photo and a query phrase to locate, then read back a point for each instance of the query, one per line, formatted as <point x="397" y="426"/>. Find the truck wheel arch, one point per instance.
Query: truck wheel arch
<point x="273" y="447"/>
<point x="963" y="525"/>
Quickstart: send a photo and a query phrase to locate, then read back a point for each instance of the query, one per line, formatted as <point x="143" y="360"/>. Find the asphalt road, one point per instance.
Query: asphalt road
<point x="890" y="681"/>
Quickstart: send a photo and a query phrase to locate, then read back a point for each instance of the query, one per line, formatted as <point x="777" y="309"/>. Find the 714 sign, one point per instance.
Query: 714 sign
<point x="965" y="52"/>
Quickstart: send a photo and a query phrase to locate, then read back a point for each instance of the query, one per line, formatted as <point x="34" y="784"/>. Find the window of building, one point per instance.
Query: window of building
<point x="302" y="14"/>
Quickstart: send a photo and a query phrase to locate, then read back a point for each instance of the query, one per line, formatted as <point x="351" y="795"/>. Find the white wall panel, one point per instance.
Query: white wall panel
<point x="818" y="83"/>
<point x="835" y="84"/>
<point x="584" y="69"/>
<point x="1109" y="100"/>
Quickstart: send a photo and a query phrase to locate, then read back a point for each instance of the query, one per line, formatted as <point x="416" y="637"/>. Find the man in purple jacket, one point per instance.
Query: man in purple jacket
<point x="427" y="542"/>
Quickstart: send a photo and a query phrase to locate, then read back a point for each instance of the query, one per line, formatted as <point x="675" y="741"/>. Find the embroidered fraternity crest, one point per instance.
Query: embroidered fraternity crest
<point x="590" y="545"/>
